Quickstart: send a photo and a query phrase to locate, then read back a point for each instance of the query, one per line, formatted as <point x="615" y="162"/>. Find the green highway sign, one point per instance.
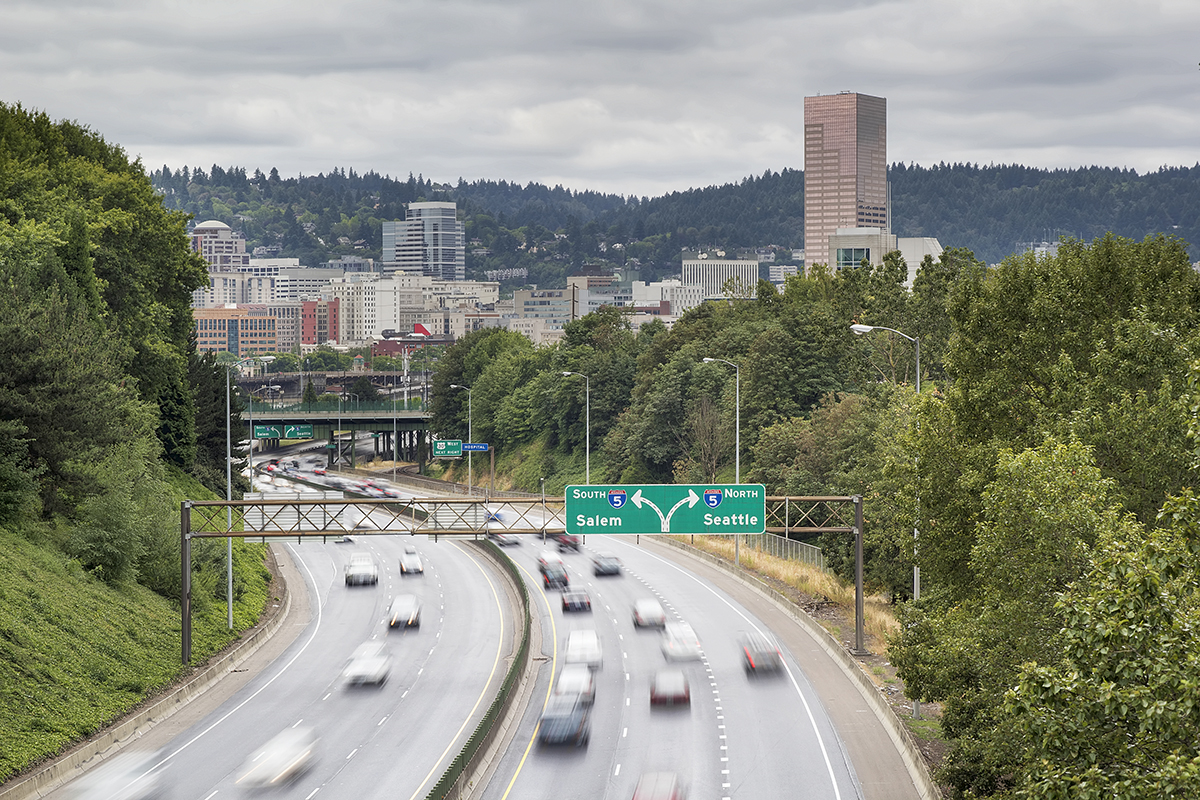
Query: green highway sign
<point x="667" y="508"/>
<point x="447" y="448"/>
<point x="268" y="431"/>
<point x="297" y="431"/>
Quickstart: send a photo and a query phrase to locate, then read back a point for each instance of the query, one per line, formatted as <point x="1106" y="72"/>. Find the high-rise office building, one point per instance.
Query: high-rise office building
<point x="845" y="168"/>
<point x="429" y="241"/>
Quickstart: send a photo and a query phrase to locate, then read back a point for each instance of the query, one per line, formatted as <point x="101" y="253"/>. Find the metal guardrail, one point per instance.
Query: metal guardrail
<point x="451" y="786"/>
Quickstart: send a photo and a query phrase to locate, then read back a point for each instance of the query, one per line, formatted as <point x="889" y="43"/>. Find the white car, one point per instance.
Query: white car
<point x="370" y="664"/>
<point x="576" y="679"/>
<point x="648" y="613"/>
<point x="126" y="776"/>
<point x="281" y="760"/>
<point x="583" y="647"/>
<point x="410" y="563"/>
<point x="361" y="569"/>
<point x="680" y="642"/>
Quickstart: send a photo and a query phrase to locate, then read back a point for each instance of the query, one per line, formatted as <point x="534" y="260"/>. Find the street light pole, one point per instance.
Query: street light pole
<point x="587" y="423"/>
<point x="859" y="330"/>
<point x="470" y="483"/>
<point x="229" y="478"/>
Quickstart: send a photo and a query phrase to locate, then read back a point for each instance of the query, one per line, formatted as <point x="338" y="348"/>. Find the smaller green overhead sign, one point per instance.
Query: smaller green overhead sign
<point x="447" y="448"/>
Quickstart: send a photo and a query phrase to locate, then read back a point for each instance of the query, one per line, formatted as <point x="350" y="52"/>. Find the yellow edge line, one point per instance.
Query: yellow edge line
<point x="496" y="663"/>
<point x="549" y="688"/>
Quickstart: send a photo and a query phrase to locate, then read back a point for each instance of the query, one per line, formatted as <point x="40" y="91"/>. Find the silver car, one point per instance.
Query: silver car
<point x="281" y="760"/>
<point x="405" y="612"/>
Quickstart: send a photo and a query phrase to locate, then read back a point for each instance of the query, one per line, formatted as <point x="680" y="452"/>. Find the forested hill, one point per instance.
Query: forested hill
<point x="990" y="210"/>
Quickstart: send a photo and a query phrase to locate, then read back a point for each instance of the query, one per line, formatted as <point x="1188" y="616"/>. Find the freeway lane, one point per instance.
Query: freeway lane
<point x="394" y="740"/>
<point x="740" y="737"/>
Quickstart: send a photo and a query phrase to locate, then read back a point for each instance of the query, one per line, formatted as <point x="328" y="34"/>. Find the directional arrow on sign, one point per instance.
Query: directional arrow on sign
<point x="691" y="500"/>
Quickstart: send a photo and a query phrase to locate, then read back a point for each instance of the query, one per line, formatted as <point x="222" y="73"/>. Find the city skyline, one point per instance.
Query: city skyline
<point x="635" y="98"/>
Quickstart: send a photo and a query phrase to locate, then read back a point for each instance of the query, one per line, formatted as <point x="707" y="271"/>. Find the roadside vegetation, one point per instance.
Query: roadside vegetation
<point x="107" y="420"/>
<point x="1046" y="465"/>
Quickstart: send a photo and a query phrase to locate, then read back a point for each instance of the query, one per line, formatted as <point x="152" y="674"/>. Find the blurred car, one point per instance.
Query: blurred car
<point x="344" y="539"/>
<point x="126" y="776"/>
<point x="410" y="563"/>
<point x="648" y="613"/>
<point x="565" y="721"/>
<point x="361" y="569"/>
<point x="567" y="541"/>
<point x="370" y="664"/>
<point x="405" y="612"/>
<point x="319" y="471"/>
<point x="761" y="654"/>
<point x="680" y="642"/>
<point x="555" y="576"/>
<point x="583" y="647"/>
<point x="576" y="600"/>
<point x="606" y="564"/>
<point x="365" y="523"/>
<point x="670" y="688"/>
<point x="659" y="786"/>
<point x="410" y="548"/>
<point x="548" y="557"/>
<point x="281" y="760"/>
<point x="505" y="539"/>
<point x="576" y="679"/>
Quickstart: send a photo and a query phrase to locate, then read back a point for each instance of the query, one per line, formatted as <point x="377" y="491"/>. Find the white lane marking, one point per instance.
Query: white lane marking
<point x="404" y="695"/>
<point x="812" y="720"/>
<point x="326" y="697"/>
<point x="377" y="724"/>
<point x="314" y="791"/>
<point x="626" y="701"/>
<point x="352" y="752"/>
<point x="624" y="732"/>
<point x="617" y="771"/>
<point x="298" y="722"/>
<point x="210" y="797"/>
<point x="316" y="628"/>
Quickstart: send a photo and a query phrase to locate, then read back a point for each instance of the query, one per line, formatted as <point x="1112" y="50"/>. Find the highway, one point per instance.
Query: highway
<point x="742" y="736"/>
<point x="396" y="739"/>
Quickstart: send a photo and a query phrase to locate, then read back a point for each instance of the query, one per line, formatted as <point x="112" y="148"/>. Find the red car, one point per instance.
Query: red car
<point x="670" y="688"/>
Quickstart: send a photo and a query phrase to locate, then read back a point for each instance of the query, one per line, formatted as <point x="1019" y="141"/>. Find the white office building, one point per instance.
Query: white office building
<point x="722" y="278"/>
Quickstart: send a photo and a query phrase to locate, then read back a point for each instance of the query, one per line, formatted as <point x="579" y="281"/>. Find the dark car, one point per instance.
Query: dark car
<point x="555" y="576"/>
<point x="565" y="721"/>
<point x="567" y="541"/>
<point x="760" y="653"/>
<point x="576" y="600"/>
<point x="606" y="564"/>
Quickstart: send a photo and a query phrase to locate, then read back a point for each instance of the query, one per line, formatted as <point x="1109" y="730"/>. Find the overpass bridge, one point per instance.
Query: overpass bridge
<point x="289" y="386"/>
<point x="338" y="425"/>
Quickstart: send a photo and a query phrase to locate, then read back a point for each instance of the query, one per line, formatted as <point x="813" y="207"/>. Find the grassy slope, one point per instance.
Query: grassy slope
<point x="76" y="654"/>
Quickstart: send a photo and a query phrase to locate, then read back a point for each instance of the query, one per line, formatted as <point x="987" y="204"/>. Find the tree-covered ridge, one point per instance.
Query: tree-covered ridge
<point x="549" y="232"/>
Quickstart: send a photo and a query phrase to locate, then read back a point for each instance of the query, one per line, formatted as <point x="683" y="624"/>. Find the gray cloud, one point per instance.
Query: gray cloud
<point x="637" y="97"/>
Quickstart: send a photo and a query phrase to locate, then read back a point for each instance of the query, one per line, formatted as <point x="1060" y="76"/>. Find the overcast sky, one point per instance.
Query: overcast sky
<point x="636" y="97"/>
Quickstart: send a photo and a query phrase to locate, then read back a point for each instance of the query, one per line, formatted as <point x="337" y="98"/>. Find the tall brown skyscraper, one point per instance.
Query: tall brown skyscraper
<point x="845" y="168"/>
